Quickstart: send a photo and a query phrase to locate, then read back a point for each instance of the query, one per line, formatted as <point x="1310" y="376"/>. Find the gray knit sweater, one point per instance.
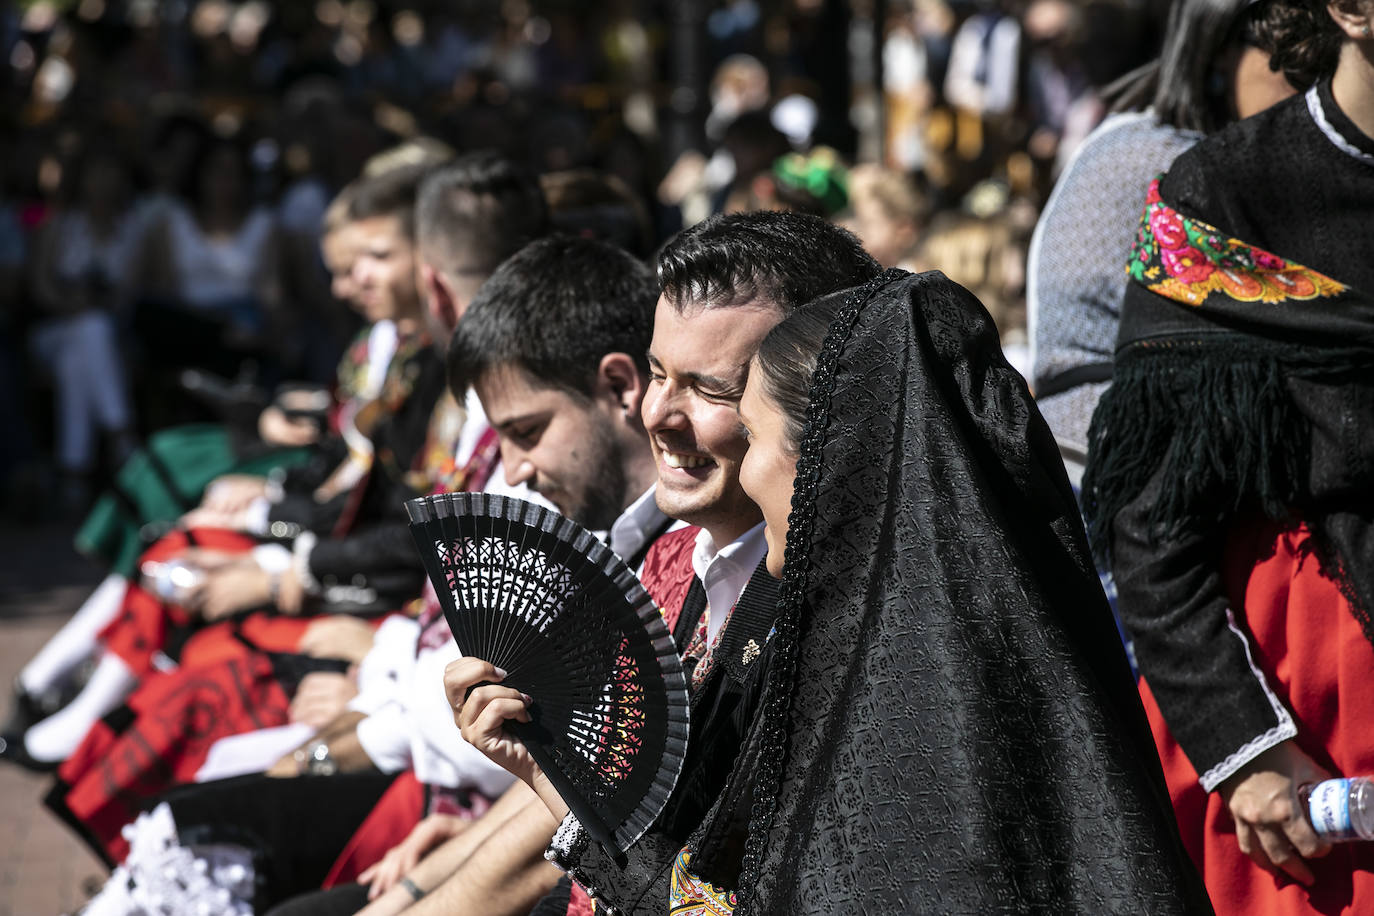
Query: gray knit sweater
<point x="1076" y="275"/>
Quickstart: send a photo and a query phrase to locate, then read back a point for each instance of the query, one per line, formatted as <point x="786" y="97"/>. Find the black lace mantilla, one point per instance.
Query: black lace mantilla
<point x="948" y="723"/>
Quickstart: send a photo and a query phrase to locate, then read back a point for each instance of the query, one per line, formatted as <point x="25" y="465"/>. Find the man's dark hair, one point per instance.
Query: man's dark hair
<point x="554" y="310"/>
<point x="785" y="258"/>
<point x="476" y="211"/>
<point x="389" y="193"/>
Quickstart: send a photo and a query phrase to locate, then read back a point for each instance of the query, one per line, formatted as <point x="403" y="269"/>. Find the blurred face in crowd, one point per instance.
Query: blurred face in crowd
<point x="698" y="365"/>
<point x="569" y="448"/>
<point x="223" y="180"/>
<point x="104" y="184"/>
<point x="384" y="271"/>
<point x="340" y="248"/>
<point x="883" y="235"/>
<point x="769" y="467"/>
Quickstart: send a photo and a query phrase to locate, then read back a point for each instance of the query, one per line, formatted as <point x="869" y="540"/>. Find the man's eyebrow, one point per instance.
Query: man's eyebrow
<point x="701" y="379"/>
<point x="514" y="421"/>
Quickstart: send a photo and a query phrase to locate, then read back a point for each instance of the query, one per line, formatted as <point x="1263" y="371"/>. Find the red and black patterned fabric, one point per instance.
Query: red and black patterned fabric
<point x="160" y="738"/>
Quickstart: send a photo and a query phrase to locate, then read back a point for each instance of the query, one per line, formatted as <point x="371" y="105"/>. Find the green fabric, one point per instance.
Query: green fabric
<point x="193" y="456"/>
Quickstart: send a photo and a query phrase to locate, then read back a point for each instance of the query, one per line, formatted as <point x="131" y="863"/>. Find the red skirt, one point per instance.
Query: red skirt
<point x="161" y="739"/>
<point x="1319" y="662"/>
<point x="146" y="624"/>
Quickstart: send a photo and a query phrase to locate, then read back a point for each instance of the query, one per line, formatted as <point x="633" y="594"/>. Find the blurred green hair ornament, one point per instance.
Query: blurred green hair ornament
<point x="820" y="173"/>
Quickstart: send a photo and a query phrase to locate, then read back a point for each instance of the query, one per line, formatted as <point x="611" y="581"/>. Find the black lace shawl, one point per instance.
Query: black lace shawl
<point x="948" y="723"/>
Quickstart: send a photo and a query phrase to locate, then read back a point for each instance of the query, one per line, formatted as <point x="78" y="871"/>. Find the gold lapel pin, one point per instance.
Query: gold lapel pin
<point x="751" y="651"/>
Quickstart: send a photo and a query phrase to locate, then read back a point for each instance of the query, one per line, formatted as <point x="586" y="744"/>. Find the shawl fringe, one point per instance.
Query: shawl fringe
<point x="1216" y="416"/>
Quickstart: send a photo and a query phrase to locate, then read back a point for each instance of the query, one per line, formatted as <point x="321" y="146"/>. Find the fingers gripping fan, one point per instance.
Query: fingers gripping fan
<point x="542" y="598"/>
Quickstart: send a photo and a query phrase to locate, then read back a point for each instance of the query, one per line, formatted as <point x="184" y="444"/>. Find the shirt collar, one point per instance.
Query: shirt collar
<point x="639" y="522"/>
<point x="1336" y="125"/>
<point x="725" y="572"/>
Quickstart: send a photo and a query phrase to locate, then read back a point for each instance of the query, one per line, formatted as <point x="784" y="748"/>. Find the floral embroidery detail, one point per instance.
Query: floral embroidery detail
<point x="352" y="372"/>
<point x="1187" y="260"/>
<point x="689" y="895"/>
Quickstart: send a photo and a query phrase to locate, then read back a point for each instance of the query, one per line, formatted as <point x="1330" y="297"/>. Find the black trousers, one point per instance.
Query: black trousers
<point x="344" y="900"/>
<point x="296" y="827"/>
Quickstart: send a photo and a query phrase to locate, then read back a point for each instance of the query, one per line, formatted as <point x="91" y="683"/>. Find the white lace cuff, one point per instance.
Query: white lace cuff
<point x="300" y="562"/>
<point x="569" y="841"/>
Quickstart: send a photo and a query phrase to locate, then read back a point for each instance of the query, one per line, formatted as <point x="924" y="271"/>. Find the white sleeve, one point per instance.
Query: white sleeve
<point x="441" y="756"/>
<point x="386" y="739"/>
<point x="388" y="665"/>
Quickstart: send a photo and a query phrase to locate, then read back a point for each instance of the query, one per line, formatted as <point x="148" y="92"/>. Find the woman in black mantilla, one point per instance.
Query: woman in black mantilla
<point x="1231" y="476"/>
<point x="947" y="720"/>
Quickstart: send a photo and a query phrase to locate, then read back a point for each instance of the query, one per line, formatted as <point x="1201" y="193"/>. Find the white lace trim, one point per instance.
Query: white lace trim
<point x="160" y="877"/>
<point x="1314" y="107"/>
<point x="565" y="840"/>
<point x="1251" y="749"/>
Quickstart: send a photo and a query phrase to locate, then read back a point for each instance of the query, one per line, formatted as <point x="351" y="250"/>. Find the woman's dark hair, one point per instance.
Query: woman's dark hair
<point x="786" y="360"/>
<point x="1305" y="39"/>
<point x="1182" y="83"/>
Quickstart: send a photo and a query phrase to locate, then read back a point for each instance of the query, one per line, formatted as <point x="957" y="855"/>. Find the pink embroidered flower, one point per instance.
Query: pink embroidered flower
<point x="1187" y="264"/>
<point x="1266" y="261"/>
<point x="1167" y="226"/>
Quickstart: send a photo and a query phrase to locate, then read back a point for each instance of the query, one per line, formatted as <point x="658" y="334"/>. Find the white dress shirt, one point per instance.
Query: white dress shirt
<point x="725" y="572"/>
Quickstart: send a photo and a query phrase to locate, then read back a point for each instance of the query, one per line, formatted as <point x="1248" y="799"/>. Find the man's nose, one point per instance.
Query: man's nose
<point x="517" y="466"/>
<point x="661" y="409"/>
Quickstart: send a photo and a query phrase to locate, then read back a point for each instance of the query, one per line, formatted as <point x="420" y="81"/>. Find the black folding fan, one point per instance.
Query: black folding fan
<point x="539" y="596"/>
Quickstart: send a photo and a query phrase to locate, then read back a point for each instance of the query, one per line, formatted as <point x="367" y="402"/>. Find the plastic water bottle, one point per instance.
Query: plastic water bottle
<point x="171" y="581"/>
<point x="1341" y="810"/>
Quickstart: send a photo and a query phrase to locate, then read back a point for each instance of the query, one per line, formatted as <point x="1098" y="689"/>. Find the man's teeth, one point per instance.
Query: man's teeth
<point x="674" y="460"/>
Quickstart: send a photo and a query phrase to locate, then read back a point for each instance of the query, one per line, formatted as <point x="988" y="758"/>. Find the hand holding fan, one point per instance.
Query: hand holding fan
<point x="539" y="596"/>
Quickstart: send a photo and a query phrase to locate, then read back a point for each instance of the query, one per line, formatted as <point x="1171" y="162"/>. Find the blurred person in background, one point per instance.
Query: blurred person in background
<point x="887" y="212"/>
<point x="816" y="183"/>
<point x="131" y="626"/>
<point x="1213" y="68"/>
<point x="982" y="247"/>
<point x="208" y="273"/>
<point x="80" y="286"/>
<point x="598" y="205"/>
<point x="472" y="214"/>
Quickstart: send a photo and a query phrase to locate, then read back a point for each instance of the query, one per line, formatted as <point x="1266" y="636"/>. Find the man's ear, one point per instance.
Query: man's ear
<point x="439" y="297"/>
<point x="620" y="381"/>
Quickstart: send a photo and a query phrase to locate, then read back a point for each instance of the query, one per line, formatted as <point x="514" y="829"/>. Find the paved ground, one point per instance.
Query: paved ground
<point x="44" y="869"/>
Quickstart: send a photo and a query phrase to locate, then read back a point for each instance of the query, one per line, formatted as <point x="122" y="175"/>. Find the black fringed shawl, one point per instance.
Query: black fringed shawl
<point x="948" y="722"/>
<point x="1213" y="334"/>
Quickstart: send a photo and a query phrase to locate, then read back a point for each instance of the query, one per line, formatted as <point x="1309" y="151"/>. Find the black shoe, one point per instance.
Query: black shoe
<point x="27" y="711"/>
<point x="13" y="751"/>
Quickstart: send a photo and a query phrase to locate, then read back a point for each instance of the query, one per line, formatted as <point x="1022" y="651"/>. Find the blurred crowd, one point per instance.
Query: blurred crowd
<point x="165" y="164"/>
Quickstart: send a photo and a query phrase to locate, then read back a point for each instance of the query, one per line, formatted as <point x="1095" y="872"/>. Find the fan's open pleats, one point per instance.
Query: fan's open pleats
<point x="536" y="594"/>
